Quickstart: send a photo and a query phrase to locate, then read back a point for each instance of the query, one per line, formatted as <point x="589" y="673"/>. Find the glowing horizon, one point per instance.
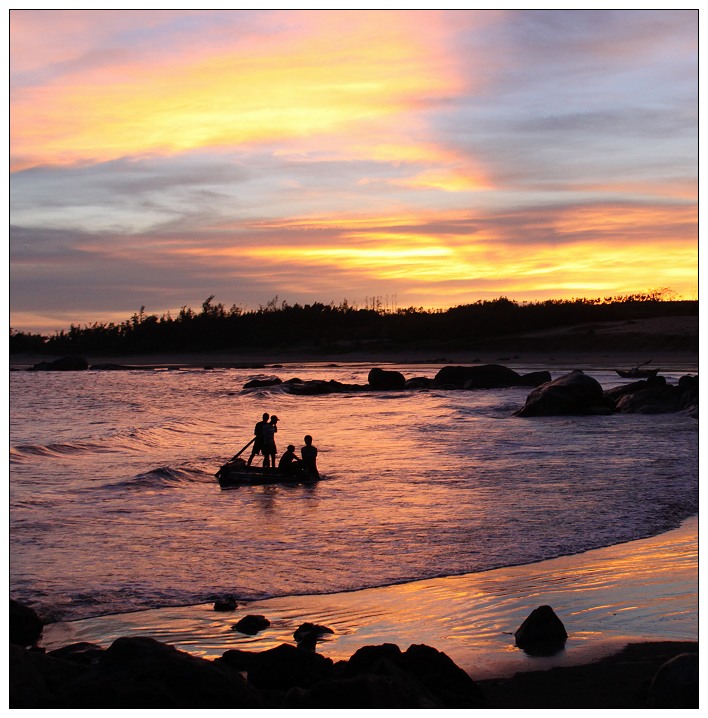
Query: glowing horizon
<point x="160" y="157"/>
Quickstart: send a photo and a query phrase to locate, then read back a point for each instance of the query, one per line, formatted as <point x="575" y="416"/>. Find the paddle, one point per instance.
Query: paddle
<point x="235" y="456"/>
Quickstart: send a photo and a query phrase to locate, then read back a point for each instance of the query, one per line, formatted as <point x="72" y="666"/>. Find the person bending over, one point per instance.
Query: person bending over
<point x="258" y="443"/>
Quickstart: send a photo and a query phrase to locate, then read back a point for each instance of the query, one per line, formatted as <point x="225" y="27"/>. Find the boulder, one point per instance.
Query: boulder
<point x="25" y="626"/>
<point x="573" y="393"/>
<point x="308" y="634"/>
<point x="419" y="382"/>
<point x="143" y="673"/>
<point x="280" y="668"/>
<point x="675" y="684"/>
<point x="84" y="653"/>
<point x="656" y="396"/>
<point x="314" y="387"/>
<point x="535" y="378"/>
<point x="486" y="376"/>
<point x="36" y="679"/>
<point x="385" y="380"/>
<point x="266" y="381"/>
<point x="542" y="633"/>
<point x="251" y="624"/>
<point x="437" y="677"/>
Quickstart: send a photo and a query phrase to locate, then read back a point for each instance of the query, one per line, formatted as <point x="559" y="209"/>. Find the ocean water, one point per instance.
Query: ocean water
<point x="114" y="506"/>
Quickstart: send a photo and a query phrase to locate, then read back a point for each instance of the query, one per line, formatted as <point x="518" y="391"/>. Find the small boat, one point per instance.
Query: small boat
<point x="637" y="373"/>
<point x="237" y="473"/>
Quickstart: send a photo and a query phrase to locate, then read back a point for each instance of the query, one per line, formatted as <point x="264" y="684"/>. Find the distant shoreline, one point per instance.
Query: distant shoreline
<point x="602" y="358"/>
<point x="663" y="340"/>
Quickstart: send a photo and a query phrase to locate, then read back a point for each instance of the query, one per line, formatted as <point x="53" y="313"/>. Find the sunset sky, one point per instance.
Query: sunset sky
<point x="432" y="157"/>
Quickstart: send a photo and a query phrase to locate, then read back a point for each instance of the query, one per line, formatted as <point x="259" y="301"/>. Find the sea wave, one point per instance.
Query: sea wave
<point x="165" y="476"/>
<point x="24" y="452"/>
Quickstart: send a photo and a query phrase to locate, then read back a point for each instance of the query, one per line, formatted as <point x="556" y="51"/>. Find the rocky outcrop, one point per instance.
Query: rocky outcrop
<point x="385" y="380"/>
<point x="141" y="673"/>
<point x="573" y="393"/>
<point x="320" y="386"/>
<point x="491" y="376"/>
<point x="656" y="396"/>
<point x="280" y="668"/>
<point x="263" y="381"/>
<point x="542" y="633"/>
<point x="485" y="376"/>
<point x="68" y="363"/>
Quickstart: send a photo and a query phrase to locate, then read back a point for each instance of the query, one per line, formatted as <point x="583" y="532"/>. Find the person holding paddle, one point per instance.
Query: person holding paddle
<point x="259" y="436"/>
<point x="269" y="448"/>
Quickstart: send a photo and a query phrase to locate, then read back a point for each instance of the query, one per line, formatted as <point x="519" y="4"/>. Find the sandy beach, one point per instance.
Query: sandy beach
<point x="644" y="591"/>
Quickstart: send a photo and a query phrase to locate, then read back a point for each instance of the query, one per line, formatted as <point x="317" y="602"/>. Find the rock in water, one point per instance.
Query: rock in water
<point x="250" y="625"/>
<point x="573" y="393"/>
<point x="381" y="379"/>
<point x="542" y="633"/>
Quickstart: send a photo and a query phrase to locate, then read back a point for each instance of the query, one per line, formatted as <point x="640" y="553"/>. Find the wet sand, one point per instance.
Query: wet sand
<point x="642" y="591"/>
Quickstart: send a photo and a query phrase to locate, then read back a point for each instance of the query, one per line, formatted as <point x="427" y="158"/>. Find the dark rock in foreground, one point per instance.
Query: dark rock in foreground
<point x="280" y="668"/>
<point x="24" y="624"/>
<point x="572" y="394"/>
<point x="141" y="673"/>
<point x="675" y="684"/>
<point x="542" y="633"/>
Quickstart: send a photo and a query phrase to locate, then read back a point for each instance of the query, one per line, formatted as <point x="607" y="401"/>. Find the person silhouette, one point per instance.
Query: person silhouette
<point x="269" y="448"/>
<point x="309" y="457"/>
<point x="289" y="463"/>
<point x="258" y="443"/>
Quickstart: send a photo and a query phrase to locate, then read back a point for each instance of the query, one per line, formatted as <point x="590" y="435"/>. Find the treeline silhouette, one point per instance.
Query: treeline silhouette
<point x="279" y="325"/>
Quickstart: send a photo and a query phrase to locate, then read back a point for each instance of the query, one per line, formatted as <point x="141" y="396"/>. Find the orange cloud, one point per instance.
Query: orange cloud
<point x="228" y="98"/>
<point x="573" y="251"/>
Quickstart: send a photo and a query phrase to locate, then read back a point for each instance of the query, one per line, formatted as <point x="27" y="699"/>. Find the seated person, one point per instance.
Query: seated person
<point x="289" y="463"/>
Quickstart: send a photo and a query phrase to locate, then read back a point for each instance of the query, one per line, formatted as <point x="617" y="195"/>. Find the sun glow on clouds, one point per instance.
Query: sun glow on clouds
<point x="444" y="156"/>
<point x="306" y="85"/>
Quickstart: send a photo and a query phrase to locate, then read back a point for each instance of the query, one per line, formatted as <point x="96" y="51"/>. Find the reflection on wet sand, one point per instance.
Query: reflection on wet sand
<point x="643" y="590"/>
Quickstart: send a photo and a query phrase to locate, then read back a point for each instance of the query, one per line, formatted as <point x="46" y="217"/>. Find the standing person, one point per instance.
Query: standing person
<point x="269" y="448"/>
<point x="258" y="443"/>
<point x="309" y="457"/>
